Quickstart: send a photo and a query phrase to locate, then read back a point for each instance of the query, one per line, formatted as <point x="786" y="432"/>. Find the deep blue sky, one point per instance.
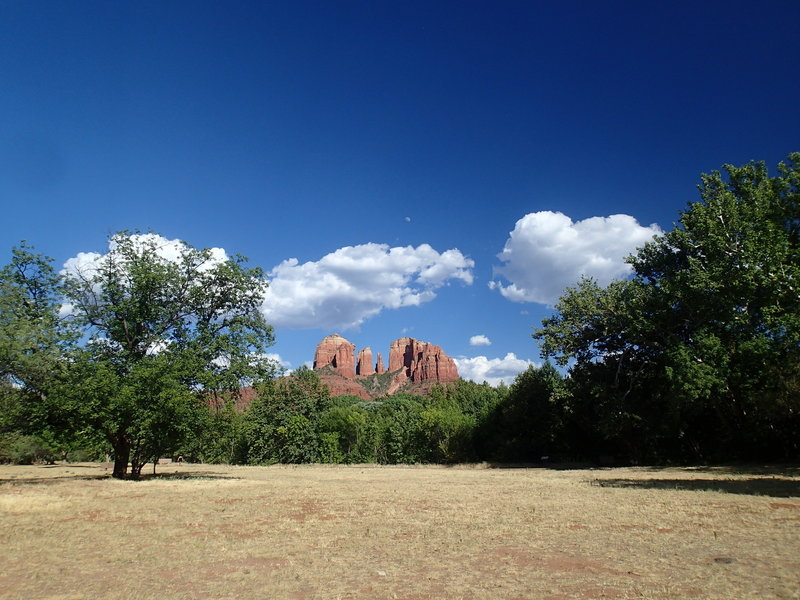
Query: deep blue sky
<point x="293" y="129"/>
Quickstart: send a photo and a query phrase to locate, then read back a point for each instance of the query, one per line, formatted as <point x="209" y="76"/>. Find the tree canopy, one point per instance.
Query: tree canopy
<point x="698" y="353"/>
<point x="128" y="348"/>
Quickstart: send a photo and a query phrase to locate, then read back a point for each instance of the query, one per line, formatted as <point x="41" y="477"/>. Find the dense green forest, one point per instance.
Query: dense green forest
<point x="694" y="358"/>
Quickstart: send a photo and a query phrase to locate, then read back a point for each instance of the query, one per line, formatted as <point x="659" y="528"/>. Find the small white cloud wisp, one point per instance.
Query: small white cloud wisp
<point x="480" y="340"/>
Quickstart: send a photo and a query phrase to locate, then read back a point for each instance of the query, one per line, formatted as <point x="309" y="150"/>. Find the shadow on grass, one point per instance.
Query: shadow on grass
<point x="764" y="470"/>
<point x="777" y="470"/>
<point x="776" y="488"/>
<point x="189" y="475"/>
<point x="100" y="476"/>
<point x="45" y="480"/>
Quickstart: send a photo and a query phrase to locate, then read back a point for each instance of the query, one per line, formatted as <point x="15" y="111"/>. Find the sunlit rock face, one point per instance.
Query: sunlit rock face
<point x="422" y="362"/>
<point x="337" y="352"/>
<point x="364" y="364"/>
<point x="413" y="359"/>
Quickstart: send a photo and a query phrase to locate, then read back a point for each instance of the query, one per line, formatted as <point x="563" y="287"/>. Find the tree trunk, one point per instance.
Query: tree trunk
<point x="136" y="469"/>
<point x="122" y="454"/>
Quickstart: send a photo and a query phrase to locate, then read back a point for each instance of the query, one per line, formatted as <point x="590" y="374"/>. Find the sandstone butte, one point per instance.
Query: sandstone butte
<point x="364" y="364"/>
<point x="337" y="352"/>
<point x="414" y="364"/>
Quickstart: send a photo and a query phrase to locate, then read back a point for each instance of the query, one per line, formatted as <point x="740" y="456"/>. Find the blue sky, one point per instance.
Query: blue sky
<point x="375" y="157"/>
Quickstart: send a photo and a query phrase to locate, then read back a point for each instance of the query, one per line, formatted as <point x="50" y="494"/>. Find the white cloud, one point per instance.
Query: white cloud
<point x="354" y="283"/>
<point x="492" y="370"/>
<point x="480" y="340"/>
<point x="547" y="252"/>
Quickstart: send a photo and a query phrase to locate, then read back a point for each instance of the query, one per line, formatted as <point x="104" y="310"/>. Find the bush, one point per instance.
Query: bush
<point x="20" y="449"/>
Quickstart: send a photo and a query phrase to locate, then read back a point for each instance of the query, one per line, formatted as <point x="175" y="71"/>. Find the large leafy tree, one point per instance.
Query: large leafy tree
<point x="166" y="326"/>
<point x="701" y="347"/>
<point x="33" y="343"/>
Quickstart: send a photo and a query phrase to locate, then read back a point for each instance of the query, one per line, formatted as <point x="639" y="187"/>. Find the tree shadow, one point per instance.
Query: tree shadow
<point x="46" y="480"/>
<point x="776" y="470"/>
<point x="100" y="476"/>
<point x="182" y="476"/>
<point x="753" y="486"/>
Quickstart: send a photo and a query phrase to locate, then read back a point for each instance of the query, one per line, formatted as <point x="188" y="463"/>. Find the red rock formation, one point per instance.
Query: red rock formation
<point x="337" y="352"/>
<point x="397" y="354"/>
<point x="415" y="365"/>
<point x="364" y="364"/>
<point x="421" y="361"/>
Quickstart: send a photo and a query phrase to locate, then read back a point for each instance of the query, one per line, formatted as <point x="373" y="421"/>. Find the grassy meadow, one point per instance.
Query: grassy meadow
<point x="70" y="532"/>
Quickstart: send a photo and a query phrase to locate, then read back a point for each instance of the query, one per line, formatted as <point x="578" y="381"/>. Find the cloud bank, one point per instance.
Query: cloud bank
<point x="354" y="283"/>
<point x="492" y="370"/>
<point x="547" y="252"/>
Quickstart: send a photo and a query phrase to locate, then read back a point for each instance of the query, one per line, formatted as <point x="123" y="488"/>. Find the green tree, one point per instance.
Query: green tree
<point x="32" y="337"/>
<point x="166" y="329"/>
<point x="282" y="422"/>
<point x="529" y="420"/>
<point x="702" y="346"/>
<point x="33" y="342"/>
<point x="399" y="430"/>
<point x="347" y="421"/>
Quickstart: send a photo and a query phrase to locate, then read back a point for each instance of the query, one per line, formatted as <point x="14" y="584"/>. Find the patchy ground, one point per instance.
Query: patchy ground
<point x="366" y="532"/>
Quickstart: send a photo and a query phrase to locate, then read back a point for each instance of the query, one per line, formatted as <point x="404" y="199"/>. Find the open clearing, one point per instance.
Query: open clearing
<point x="69" y="532"/>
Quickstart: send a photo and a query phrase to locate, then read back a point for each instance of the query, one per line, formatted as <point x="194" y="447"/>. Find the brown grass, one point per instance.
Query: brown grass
<point x="414" y="533"/>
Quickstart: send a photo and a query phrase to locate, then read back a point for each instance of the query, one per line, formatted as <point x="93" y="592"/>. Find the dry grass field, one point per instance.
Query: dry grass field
<point x="366" y="532"/>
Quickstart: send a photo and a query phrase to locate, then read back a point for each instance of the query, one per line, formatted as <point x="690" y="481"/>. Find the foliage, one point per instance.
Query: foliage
<point x="529" y="421"/>
<point x="697" y="355"/>
<point x="19" y="449"/>
<point x="32" y="337"/>
<point x="281" y="422"/>
<point x="160" y="331"/>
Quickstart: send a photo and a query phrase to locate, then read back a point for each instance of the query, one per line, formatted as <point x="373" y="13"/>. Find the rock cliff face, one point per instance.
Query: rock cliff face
<point x="364" y="364"/>
<point x="337" y="352"/>
<point x="421" y="361"/>
<point x="411" y="360"/>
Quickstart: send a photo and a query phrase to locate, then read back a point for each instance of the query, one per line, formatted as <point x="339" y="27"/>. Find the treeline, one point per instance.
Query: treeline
<point x="295" y="420"/>
<point x="694" y="358"/>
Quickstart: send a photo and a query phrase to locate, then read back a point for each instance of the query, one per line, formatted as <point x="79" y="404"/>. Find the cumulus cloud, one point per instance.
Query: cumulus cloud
<point x="480" y="340"/>
<point x="354" y="283"/>
<point x="548" y="251"/>
<point x="492" y="370"/>
<point x="85" y="265"/>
